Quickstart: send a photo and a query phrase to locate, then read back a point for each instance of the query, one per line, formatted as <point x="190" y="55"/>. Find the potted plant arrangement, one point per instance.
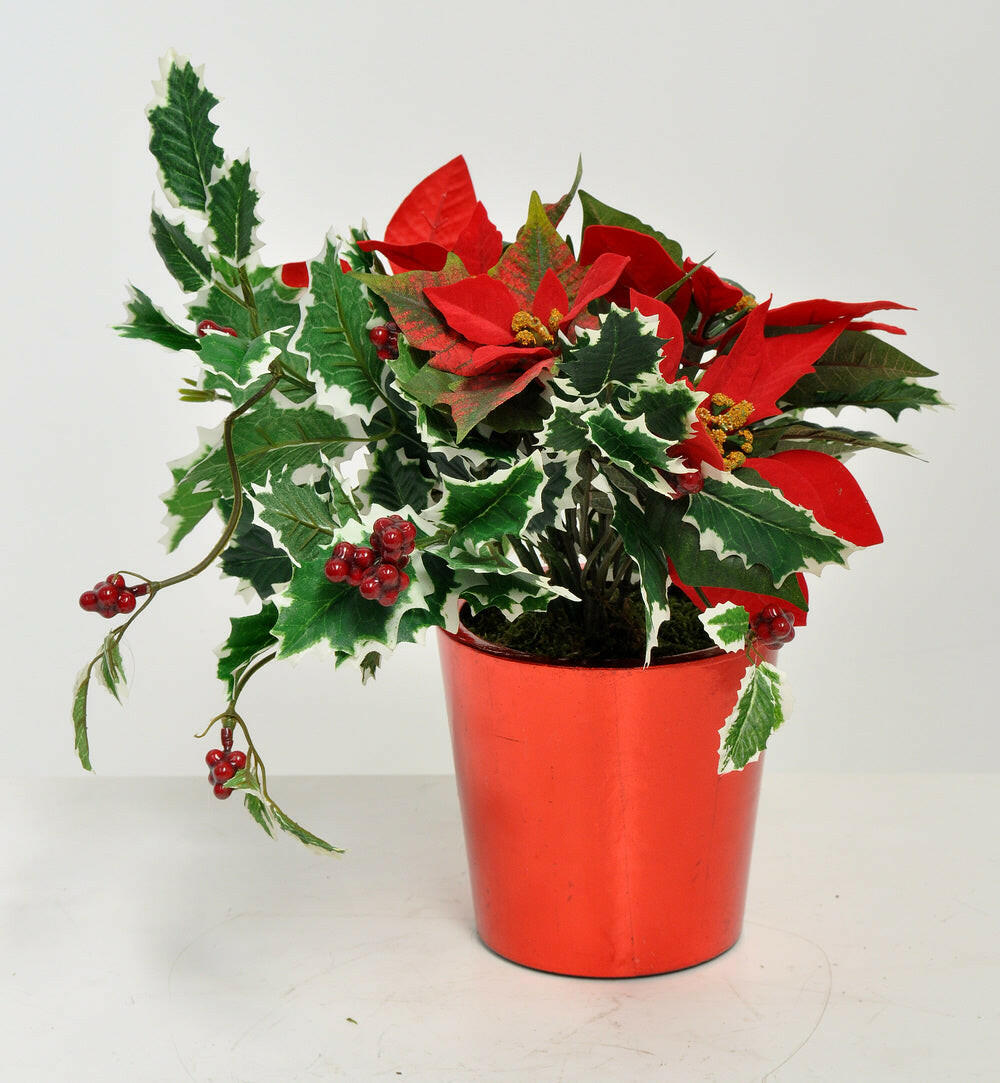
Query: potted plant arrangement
<point x="592" y="466"/>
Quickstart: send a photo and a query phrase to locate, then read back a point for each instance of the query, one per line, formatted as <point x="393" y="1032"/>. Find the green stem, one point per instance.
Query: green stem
<point x="249" y="301"/>
<point x="247" y="674"/>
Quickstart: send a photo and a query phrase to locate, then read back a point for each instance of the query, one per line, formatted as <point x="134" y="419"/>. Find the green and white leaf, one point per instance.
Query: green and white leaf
<point x="301" y="520"/>
<point x="232" y="218"/>
<point x="110" y="668"/>
<point x="759" y="526"/>
<point x="182" y="136"/>
<point x="249" y="638"/>
<point x="759" y="711"/>
<point x="183" y="257"/>
<point x="236" y="366"/>
<point x="252" y="556"/>
<point x="145" y="320"/>
<point x="727" y="624"/>
<point x="785" y="433"/>
<point x="667" y="409"/>
<point x="565" y="431"/>
<point x="645" y="547"/>
<point x="81" y="741"/>
<point x="623" y="348"/>
<point x="630" y="445"/>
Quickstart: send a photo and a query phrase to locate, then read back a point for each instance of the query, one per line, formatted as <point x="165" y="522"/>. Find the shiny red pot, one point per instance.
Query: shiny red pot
<point x="602" y="841"/>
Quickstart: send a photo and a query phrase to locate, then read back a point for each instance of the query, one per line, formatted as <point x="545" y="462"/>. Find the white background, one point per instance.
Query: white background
<point x="842" y="149"/>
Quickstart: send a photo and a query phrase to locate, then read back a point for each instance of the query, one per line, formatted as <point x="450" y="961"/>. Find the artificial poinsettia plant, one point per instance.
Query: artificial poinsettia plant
<point x="582" y="446"/>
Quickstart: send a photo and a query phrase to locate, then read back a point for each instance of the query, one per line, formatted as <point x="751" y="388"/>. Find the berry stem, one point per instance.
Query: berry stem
<point x="247" y="673"/>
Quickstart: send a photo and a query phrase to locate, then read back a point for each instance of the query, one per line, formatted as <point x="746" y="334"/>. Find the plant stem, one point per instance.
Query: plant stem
<point x="249" y="301"/>
<point x="247" y="674"/>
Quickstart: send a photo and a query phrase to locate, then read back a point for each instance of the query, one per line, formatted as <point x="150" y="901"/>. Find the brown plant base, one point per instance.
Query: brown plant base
<point x="560" y="631"/>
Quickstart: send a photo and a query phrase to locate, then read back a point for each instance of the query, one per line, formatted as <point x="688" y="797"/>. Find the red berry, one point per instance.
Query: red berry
<point x="336" y="570"/>
<point x="355" y="575"/>
<point x="126" y="601"/>
<point x="381" y="524"/>
<point x="107" y="595"/>
<point x="103" y="583"/>
<point x="401" y="561"/>
<point x="224" y="771"/>
<point x="379" y="335"/>
<point x="364" y="558"/>
<point x="117" y="581"/>
<point x="389" y="598"/>
<point x="214" y="756"/>
<point x="392" y="538"/>
<point x="385" y="354"/>
<point x="343" y="550"/>
<point x="780" y="627"/>
<point x="88" y="600"/>
<point x="388" y="575"/>
<point x="238" y="759"/>
<point x="221" y="792"/>
<point x="370" y="587"/>
<point x="769" y="613"/>
<point x="408" y="530"/>
<point x="107" y="611"/>
<point x="404" y="581"/>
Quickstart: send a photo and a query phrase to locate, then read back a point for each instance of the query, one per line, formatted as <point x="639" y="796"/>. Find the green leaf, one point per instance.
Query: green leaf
<point x="81" y="741"/>
<point x="145" y="320"/>
<point x="645" y="547"/>
<point x="183" y="258"/>
<point x="757" y="714"/>
<point x="625" y="347"/>
<point x="484" y="511"/>
<point x="630" y="445"/>
<point x="276" y="308"/>
<point x="301" y="518"/>
<point x="334" y="335"/>
<point x="232" y="202"/>
<point x="182" y="136"/>
<point x="790" y="433"/>
<point x="703" y="567"/>
<point x="110" y="668"/>
<point x="396" y="481"/>
<point x="537" y="250"/>
<point x="668" y="410"/>
<point x="248" y="637"/>
<point x="566" y="430"/>
<point x="369" y="666"/>
<point x="252" y="555"/>
<point x="757" y="524"/>
<point x="286" y="823"/>
<point x="862" y="370"/>
<point x="272" y="436"/>
<point x="258" y="810"/>
<point x="728" y="625"/>
<point x="513" y="594"/>
<point x="596" y="213"/>
<point x="233" y="365"/>
<point x="556" y="210"/>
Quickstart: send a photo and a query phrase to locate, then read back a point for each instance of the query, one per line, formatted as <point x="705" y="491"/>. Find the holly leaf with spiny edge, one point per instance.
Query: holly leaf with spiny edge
<point x="235" y="366"/>
<point x="596" y="213"/>
<point x="629" y="444"/>
<point x="147" y="321"/>
<point x="621" y="350"/>
<point x="790" y="433"/>
<point x="538" y="248"/>
<point x="395" y="480"/>
<point x="862" y="370"/>
<point x="182" y="136"/>
<point x="277" y="308"/>
<point x="251" y="555"/>
<point x="249" y="638"/>
<point x="645" y="547"/>
<point x="757" y="714"/>
<point x="727" y="624"/>
<point x="273" y="435"/>
<point x="668" y="410"/>
<point x="334" y="337"/>
<point x="182" y="256"/>
<point x="479" y="512"/>
<point x="746" y="518"/>
<point x="232" y="218"/>
<point x="703" y="567"/>
<point x="302" y="520"/>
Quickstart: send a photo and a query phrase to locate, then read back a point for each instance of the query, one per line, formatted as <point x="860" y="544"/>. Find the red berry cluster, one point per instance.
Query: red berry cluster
<point x="377" y="571"/>
<point x="111" y="597"/>
<point x="210" y="325"/>
<point x="688" y="483"/>
<point x="773" y="626"/>
<point x="223" y="763"/>
<point x="385" y="338"/>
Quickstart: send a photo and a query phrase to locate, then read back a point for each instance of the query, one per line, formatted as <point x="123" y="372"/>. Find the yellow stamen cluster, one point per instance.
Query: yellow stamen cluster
<point x="746" y="302"/>
<point x="724" y="420"/>
<point x="529" y="330"/>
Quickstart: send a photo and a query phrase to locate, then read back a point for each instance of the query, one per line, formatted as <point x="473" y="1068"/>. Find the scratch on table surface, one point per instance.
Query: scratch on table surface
<point x="743" y="1000"/>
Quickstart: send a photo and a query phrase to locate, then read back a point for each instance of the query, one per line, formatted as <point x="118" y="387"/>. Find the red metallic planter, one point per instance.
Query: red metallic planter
<point x="602" y="842"/>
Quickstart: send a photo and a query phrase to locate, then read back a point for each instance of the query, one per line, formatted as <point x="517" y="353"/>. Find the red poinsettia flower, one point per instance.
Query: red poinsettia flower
<point x="440" y="215"/>
<point x="509" y="329"/>
<point x="819" y="312"/>
<point x="650" y="271"/>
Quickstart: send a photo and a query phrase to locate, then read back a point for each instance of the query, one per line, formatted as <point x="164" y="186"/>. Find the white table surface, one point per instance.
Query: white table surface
<point x="152" y="933"/>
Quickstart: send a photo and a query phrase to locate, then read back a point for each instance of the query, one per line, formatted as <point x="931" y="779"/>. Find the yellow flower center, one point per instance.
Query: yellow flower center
<point x="725" y="420"/>
<point x="530" y="331"/>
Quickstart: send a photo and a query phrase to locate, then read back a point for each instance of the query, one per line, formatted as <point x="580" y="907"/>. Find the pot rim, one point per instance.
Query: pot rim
<point x="469" y="638"/>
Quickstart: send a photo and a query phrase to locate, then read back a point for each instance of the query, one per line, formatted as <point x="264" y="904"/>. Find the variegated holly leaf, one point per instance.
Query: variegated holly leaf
<point x="727" y="624"/>
<point x="183" y="257"/>
<point x="623" y="348"/>
<point x="479" y="512"/>
<point x="249" y="638"/>
<point x="629" y="444"/>
<point x="145" y="320"/>
<point x="274" y="435"/>
<point x="596" y="213"/>
<point x="757" y="714"/>
<point x="251" y="555"/>
<point x="232" y="218"/>
<point x="334" y="337"/>
<point x="759" y="526"/>
<point x="81" y="740"/>
<point x="862" y="370"/>
<point x="513" y="594"/>
<point x="277" y="307"/>
<point x="565" y="431"/>
<point x="394" y="480"/>
<point x="791" y="433"/>
<point x="235" y="366"/>
<point x="301" y="519"/>
<point x="538" y="248"/>
<point x="182" y="136"/>
<point x="668" y="410"/>
<point x="645" y="547"/>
